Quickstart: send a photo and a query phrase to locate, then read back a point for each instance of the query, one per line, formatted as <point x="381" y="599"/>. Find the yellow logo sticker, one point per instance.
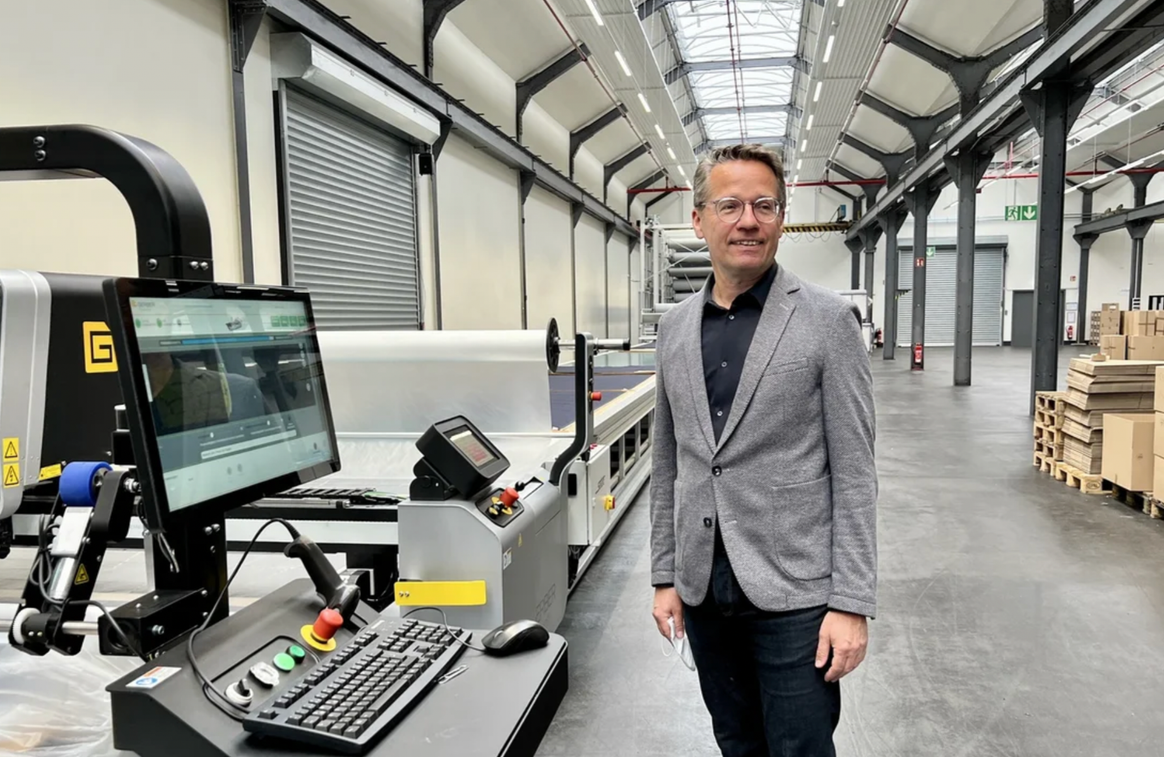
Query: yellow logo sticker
<point x="99" y="357"/>
<point x="11" y="448"/>
<point x="82" y="576"/>
<point x="11" y="475"/>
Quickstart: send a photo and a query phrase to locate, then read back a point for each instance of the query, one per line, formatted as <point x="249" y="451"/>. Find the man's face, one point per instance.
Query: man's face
<point x="746" y="246"/>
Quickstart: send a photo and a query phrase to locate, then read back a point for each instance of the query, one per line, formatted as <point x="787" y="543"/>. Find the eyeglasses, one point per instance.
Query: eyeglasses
<point x="730" y="209"/>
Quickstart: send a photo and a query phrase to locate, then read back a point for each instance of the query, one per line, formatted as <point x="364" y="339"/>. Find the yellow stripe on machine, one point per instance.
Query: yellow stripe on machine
<point x="440" y="593"/>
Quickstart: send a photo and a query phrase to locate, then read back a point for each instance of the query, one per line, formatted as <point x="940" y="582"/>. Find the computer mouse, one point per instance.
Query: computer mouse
<point x="515" y="636"/>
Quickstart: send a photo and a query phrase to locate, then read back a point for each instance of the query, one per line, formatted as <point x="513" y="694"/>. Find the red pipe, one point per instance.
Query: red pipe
<point x="879" y="182"/>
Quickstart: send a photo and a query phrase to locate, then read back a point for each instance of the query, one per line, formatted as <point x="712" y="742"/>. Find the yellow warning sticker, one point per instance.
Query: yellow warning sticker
<point x="99" y="357"/>
<point x="82" y="576"/>
<point x="11" y="475"/>
<point x="11" y="448"/>
<point x="51" y="471"/>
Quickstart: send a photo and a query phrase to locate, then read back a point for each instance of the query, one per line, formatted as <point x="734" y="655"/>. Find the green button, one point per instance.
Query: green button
<point x="284" y="662"/>
<point x="297" y="653"/>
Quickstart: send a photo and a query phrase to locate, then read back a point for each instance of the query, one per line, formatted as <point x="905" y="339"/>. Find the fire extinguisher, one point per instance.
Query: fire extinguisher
<point x="1070" y="333"/>
<point x="917" y="355"/>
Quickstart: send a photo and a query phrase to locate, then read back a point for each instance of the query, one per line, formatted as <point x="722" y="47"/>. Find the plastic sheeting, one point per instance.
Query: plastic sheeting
<point x="385" y="462"/>
<point x="404" y="381"/>
<point x="57" y="706"/>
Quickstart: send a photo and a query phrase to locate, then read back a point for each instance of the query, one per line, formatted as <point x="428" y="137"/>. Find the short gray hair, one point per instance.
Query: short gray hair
<point x="731" y="153"/>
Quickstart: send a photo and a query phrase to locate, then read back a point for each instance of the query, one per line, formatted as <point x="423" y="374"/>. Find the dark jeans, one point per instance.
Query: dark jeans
<point x="758" y="675"/>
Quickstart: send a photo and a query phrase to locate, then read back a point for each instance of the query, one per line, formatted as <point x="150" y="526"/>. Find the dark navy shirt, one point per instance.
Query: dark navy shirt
<point x="727" y="336"/>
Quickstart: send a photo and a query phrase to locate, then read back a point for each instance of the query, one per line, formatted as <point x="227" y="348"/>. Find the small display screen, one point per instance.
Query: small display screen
<point x="234" y="393"/>
<point x="473" y="447"/>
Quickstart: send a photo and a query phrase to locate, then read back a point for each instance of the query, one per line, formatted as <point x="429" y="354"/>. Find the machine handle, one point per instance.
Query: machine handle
<point x="338" y="595"/>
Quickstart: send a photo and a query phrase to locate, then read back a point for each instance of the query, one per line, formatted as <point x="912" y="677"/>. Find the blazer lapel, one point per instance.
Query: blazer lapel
<point x="693" y="356"/>
<point x="777" y="310"/>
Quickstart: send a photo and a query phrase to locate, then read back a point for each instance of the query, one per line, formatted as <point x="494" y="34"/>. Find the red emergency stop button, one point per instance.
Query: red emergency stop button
<point x="327" y="624"/>
<point x="509" y="496"/>
<point x="596" y="396"/>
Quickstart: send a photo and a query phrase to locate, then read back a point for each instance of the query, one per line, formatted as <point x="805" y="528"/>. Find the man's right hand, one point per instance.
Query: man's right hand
<point x="667" y="606"/>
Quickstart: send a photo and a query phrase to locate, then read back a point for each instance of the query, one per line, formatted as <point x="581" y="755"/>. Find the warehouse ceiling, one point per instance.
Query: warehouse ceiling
<point x="833" y="83"/>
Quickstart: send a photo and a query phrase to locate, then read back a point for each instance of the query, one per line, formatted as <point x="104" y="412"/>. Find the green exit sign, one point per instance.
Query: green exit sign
<point x="1022" y="212"/>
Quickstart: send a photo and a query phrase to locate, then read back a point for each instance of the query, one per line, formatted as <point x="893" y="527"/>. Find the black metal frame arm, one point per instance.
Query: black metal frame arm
<point x="173" y="229"/>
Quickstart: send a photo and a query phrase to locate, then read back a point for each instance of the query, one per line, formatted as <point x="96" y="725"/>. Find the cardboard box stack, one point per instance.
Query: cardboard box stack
<point x="1158" y="438"/>
<point x="1128" y="459"/>
<point x="1096" y="390"/>
<point x="1130" y="334"/>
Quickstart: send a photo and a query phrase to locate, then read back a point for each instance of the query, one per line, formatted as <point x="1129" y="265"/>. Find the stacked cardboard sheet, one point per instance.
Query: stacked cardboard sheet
<point x="1096" y="389"/>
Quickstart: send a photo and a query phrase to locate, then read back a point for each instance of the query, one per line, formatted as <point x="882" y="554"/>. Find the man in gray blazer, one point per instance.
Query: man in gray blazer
<point x="764" y="487"/>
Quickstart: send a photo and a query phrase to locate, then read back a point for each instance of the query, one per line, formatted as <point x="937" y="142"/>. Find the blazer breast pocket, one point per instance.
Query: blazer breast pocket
<point x="779" y="368"/>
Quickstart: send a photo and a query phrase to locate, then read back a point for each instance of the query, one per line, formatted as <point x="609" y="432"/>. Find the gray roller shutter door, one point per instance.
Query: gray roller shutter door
<point x="351" y="206"/>
<point x="941" y="292"/>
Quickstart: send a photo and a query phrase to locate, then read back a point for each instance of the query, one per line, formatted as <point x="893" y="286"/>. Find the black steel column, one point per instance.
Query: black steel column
<point x="870" y="255"/>
<point x="855" y="246"/>
<point x="1083" y="316"/>
<point x="891" y="222"/>
<point x="1053" y="109"/>
<point x="921" y="200"/>
<point x="967" y="170"/>
<point x="1140" y="183"/>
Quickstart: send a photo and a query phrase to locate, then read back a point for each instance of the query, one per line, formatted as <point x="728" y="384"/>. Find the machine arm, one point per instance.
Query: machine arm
<point x="173" y="229"/>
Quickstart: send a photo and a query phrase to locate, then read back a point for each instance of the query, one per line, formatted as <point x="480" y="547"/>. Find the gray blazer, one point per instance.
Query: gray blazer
<point x="792" y="481"/>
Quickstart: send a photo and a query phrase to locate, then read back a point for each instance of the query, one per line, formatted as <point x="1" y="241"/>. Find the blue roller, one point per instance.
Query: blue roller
<point x="78" y="485"/>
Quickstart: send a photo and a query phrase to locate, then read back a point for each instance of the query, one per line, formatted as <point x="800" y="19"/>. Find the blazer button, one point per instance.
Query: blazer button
<point x="707" y="522"/>
<point x="716" y="471"/>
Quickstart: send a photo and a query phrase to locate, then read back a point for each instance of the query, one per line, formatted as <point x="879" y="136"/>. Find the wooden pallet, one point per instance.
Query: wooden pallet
<point x="1050" y="409"/>
<point x="1088" y="483"/>
<point x="1137" y="500"/>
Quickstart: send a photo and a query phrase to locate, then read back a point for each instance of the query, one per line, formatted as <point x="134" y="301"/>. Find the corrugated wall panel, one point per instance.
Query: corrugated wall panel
<point x="351" y="202"/>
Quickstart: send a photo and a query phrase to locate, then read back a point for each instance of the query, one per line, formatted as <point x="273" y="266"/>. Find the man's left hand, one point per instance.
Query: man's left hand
<point x="847" y="635"/>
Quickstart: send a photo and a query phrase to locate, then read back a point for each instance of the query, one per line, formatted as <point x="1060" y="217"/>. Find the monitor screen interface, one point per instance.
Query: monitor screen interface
<point x="232" y="389"/>
<point x="473" y="447"/>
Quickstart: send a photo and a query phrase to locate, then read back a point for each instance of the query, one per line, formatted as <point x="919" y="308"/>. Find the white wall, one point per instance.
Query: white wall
<point x="156" y="69"/>
<point x="617" y="286"/>
<point x="549" y="280"/>
<point x="590" y="274"/>
<point x="480" y="252"/>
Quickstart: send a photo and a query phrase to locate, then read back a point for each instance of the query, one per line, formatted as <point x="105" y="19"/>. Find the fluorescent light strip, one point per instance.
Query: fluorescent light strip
<point x="594" y="11"/>
<point x="799" y="163"/>
<point x="816" y="95"/>
<point x="643" y="100"/>
<point x="659" y="129"/>
<point x="622" y="62"/>
<point x="671" y="153"/>
<point x="810" y="121"/>
<point x="682" y="172"/>
<point x="829" y="48"/>
<point x="803" y="146"/>
<point x="840" y="3"/>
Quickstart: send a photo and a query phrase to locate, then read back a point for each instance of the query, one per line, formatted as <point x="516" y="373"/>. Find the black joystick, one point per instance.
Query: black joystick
<point x="339" y="596"/>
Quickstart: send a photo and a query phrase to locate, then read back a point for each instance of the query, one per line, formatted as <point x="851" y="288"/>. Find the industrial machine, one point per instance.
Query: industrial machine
<point x="311" y="667"/>
<point x="392" y="386"/>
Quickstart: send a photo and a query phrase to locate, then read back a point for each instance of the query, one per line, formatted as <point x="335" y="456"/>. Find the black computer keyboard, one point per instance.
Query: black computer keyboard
<point x="354" y="496"/>
<point x="360" y="692"/>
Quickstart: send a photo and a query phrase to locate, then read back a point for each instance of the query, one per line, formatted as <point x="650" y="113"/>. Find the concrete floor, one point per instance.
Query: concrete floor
<point x="1017" y="617"/>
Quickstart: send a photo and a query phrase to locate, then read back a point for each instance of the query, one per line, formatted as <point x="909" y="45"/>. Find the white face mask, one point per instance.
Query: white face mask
<point x="681" y="647"/>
